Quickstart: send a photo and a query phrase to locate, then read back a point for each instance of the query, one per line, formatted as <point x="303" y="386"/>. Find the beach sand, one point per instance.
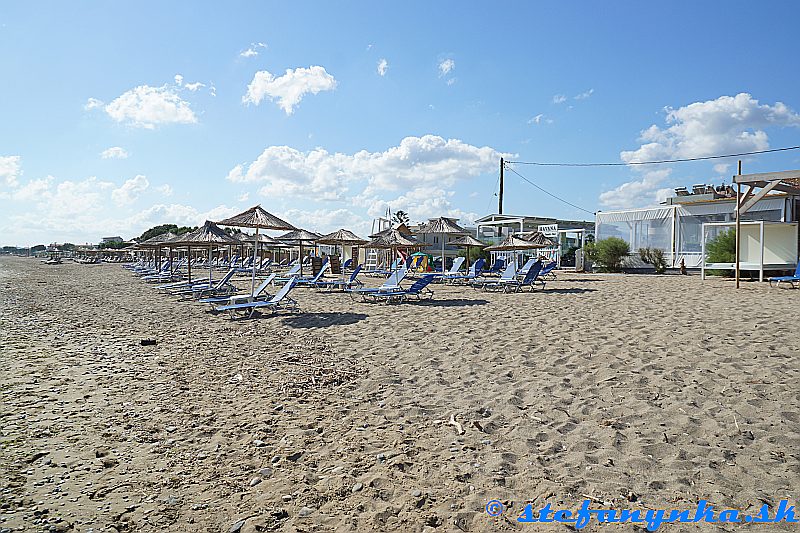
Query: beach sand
<point x="636" y="392"/>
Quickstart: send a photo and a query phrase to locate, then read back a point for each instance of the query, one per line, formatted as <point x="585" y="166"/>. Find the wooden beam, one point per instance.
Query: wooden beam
<point x="747" y="204"/>
<point x="747" y="195"/>
<point x="767" y="176"/>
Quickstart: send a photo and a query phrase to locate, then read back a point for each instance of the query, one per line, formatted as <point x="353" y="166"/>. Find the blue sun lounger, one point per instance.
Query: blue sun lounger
<point x="309" y="282"/>
<point x="341" y="283"/>
<point x="508" y="274"/>
<point x="471" y="274"/>
<point x="257" y="294"/>
<point x="530" y="280"/>
<point x="419" y="290"/>
<point x="790" y="279"/>
<point x="498" y="266"/>
<point x="216" y="287"/>
<point x="548" y="271"/>
<point x="281" y="300"/>
<point x="454" y="268"/>
<point x="391" y="283"/>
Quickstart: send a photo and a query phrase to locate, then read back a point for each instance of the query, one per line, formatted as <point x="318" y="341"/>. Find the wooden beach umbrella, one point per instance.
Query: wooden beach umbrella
<point x="342" y="237"/>
<point x="514" y="243"/>
<point x="537" y="237"/>
<point x="468" y="241"/>
<point x="299" y="236"/>
<point x="209" y="234"/>
<point x="155" y="243"/>
<point x="443" y="226"/>
<point x="256" y="217"/>
<point x="392" y="240"/>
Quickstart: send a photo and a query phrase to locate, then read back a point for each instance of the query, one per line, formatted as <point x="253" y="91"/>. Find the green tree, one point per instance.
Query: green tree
<point x="610" y="253"/>
<point x="401" y="217"/>
<point x="164" y="228"/>
<point x="38" y="248"/>
<point x="721" y="249"/>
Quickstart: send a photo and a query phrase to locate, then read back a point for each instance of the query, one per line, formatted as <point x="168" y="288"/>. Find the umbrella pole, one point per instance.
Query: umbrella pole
<point x="301" y="259"/>
<point x="253" y="282"/>
<point x="443" y="262"/>
<point x="189" y="260"/>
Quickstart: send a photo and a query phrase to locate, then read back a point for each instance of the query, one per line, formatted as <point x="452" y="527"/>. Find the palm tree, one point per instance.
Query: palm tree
<point x="401" y="217"/>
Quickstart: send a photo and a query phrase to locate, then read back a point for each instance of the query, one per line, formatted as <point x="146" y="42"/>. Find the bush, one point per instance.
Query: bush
<point x="610" y="253"/>
<point x="721" y="249"/>
<point x="655" y="257"/>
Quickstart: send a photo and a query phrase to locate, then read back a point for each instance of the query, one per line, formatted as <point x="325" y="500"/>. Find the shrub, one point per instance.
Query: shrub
<point x="655" y="257"/>
<point x="721" y="249"/>
<point x="610" y="253"/>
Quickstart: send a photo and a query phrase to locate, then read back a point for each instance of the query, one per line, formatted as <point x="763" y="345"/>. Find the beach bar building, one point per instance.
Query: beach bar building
<point x="682" y="224"/>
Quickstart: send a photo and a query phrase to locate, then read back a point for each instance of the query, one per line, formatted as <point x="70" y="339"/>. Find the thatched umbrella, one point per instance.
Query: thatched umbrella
<point x="513" y="243"/>
<point x="468" y="241"/>
<point x="341" y="237"/>
<point x="209" y="234"/>
<point x="537" y="237"/>
<point x="257" y="218"/>
<point x="393" y="240"/>
<point x="299" y="236"/>
<point x="443" y="226"/>
<point x="155" y="243"/>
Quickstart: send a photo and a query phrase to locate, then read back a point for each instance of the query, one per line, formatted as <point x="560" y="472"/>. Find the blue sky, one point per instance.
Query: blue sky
<point x="118" y="116"/>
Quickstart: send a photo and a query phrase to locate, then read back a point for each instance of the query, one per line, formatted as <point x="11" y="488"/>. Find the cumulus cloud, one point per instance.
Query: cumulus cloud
<point x="288" y="90"/>
<point x="130" y="190"/>
<point x="328" y="220"/>
<point x="383" y="66"/>
<point x="559" y="99"/>
<point x="647" y="191"/>
<point x="416" y="161"/>
<point x="178" y="79"/>
<point x="252" y="50"/>
<point x="194" y="86"/>
<point x="446" y="66"/>
<point x="164" y="190"/>
<point x="115" y="152"/>
<point x="148" y="107"/>
<point x="421" y="203"/>
<point x="725" y="125"/>
<point x="92" y="103"/>
<point x="722" y="168"/>
<point x="10" y="168"/>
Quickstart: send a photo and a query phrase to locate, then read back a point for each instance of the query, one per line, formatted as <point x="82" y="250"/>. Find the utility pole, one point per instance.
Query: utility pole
<point x="738" y="223"/>
<point x="500" y="196"/>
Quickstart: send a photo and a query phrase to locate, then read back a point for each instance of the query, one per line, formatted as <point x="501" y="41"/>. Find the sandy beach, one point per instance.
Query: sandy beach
<point x="633" y="391"/>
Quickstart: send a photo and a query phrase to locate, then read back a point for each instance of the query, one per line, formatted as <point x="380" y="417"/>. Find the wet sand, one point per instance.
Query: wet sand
<point x="637" y="392"/>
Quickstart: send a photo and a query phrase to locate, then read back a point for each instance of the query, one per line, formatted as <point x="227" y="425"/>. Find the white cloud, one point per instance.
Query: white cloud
<point x="252" y="51"/>
<point x="194" y="86"/>
<point x="421" y="203"/>
<point x="92" y="103"/>
<point x="130" y="190"/>
<point x="559" y="99"/>
<point x="290" y="88"/>
<point x="446" y="66"/>
<point x="147" y="107"/>
<point x="244" y="197"/>
<point x="584" y="95"/>
<point x="722" y="168"/>
<point x="383" y="66"/>
<point x="328" y="220"/>
<point x="10" y="169"/>
<point x="540" y="119"/>
<point x="416" y="161"/>
<point x="178" y="79"/>
<point x="115" y="152"/>
<point x="645" y="192"/>
<point x="164" y="190"/>
<point x="725" y="125"/>
<point x="451" y="81"/>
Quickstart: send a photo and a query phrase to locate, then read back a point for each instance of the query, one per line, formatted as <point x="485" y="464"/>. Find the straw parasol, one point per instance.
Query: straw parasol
<point x="393" y="239"/>
<point x="156" y="242"/>
<point x="443" y="226"/>
<point x="537" y="237"/>
<point x="468" y="241"/>
<point x="514" y="243"/>
<point x="209" y="234"/>
<point x="342" y="237"/>
<point x="256" y="217"/>
<point x="299" y="236"/>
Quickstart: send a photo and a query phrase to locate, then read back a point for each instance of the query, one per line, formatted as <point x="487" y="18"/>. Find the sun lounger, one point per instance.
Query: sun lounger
<point x="456" y="266"/>
<point x="787" y="279"/>
<point x="508" y="274"/>
<point x="309" y="282"/>
<point x="471" y="274"/>
<point x="341" y="283"/>
<point x="258" y="294"/>
<point x="548" y="271"/>
<point x="391" y="283"/>
<point x="221" y="286"/>
<point x="281" y="300"/>
<point x="419" y="290"/>
<point x="530" y="280"/>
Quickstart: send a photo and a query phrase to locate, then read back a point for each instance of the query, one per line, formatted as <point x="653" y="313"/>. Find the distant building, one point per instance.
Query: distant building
<point x="109" y="240"/>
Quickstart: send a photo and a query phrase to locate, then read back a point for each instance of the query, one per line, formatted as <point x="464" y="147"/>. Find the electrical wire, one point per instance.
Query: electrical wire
<point x="550" y="194"/>
<point x="658" y="162"/>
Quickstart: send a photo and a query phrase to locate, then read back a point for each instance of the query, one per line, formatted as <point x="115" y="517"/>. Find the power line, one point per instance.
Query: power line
<point x="659" y="162"/>
<point x="549" y="193"/>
